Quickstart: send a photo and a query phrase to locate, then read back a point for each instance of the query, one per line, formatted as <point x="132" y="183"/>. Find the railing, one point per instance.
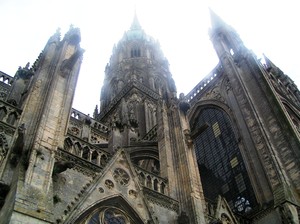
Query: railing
<point x="151" y="134"/>
<point x="86" y="151"/>
<point x="152" y="181"/>
<point x="9" y="114"/>
<point x="203" y="83"/>
<point x="86" y="118"/>
<point x="6" y="79"/>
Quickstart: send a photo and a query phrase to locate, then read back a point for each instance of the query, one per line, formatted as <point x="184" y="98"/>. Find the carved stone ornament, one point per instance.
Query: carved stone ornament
<point x="74" y="131"/>
<point x="121" y="176"/>
<point x="132" y="193"/>
<point x="188" y="138"/>
<point x="225" y="219"/>
<point x="109" y="184"/>
<point x="101" y="190"/>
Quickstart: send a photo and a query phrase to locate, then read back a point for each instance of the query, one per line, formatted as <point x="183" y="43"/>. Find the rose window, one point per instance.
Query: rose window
<point x="121" y="176"/>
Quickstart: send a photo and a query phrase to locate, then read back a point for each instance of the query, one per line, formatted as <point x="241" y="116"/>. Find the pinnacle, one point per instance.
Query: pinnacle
<point x="216" y="21"/>
<point x="135" y="23"/>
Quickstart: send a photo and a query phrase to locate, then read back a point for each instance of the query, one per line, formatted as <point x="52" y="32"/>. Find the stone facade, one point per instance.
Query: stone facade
<point x="227" y="152"/>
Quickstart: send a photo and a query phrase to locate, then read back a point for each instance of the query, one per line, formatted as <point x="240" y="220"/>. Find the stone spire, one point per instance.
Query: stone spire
<point x="135" y="23"/>
<point x="216" y="21"/>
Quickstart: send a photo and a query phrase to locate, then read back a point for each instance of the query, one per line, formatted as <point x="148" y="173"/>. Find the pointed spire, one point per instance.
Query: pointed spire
<point x="216" y="21"/>
<point x="269" y="63"/>
<point x="135" y="23"/>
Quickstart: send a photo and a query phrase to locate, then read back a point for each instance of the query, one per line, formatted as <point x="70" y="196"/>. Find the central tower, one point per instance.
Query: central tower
<point x="136" y="78"/>
<point x="146" y="119"/>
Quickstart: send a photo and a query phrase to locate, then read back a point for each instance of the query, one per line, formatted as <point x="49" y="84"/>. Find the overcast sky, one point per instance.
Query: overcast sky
<point x="269" y="27"/>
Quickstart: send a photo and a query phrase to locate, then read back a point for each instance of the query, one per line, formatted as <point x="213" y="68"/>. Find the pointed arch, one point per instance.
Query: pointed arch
<point x="78" y="149"/>
<point x="86" y="153"/>
<point x="3" y="112"/>
<point x="68" y="145"/>
<point x="111" y="207"/>
<point x="220" y="161"/>
<point x="12" y="118"/>
<point x="135" y="51"/>
<point x="195" y="111"/>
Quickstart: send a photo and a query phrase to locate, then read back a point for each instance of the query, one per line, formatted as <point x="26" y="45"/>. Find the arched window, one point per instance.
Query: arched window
<point x="68" y="145"/>
<point x="221" y="165"/>
<point x="86" y="153"/>
<point x="3" y="112"/>
<point x="135" y="52"/>
<point x="12" y="118"/>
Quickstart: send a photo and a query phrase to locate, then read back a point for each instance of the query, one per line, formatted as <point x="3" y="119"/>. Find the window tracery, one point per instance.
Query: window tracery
<point x="220" y="161"/>
<point x="110" y="215"/>
<point x="121" y="176"/>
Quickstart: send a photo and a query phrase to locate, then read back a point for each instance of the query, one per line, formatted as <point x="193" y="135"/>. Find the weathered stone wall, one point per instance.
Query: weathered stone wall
<point x="68" y="188"/>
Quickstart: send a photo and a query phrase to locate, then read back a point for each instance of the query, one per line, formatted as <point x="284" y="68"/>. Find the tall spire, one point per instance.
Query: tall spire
<point x="216" y="21"/>
<point x="135" y="23"/>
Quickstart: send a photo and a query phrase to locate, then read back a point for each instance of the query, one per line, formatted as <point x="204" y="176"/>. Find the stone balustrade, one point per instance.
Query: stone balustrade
<point x="152" y="181"/>
<point x="9" y="114"/>
<point x="6" y="79"/>
<point x="151" y="134"/>
<point x="86" y="118"/>
<point x="86" y="151"/>
<point x="203" y="83"/>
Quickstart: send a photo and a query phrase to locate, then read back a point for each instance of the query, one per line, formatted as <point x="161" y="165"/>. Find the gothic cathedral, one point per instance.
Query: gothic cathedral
<point x="227" y="152"/>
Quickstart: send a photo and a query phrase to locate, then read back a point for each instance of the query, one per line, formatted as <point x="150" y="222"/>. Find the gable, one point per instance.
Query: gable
<point x="114" y="190"/>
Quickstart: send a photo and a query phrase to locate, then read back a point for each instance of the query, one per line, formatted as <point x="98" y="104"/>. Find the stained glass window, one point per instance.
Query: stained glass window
<point x="108" y="215"/>
<point x="221" y="165"/>
<point x="111" y="218"/>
